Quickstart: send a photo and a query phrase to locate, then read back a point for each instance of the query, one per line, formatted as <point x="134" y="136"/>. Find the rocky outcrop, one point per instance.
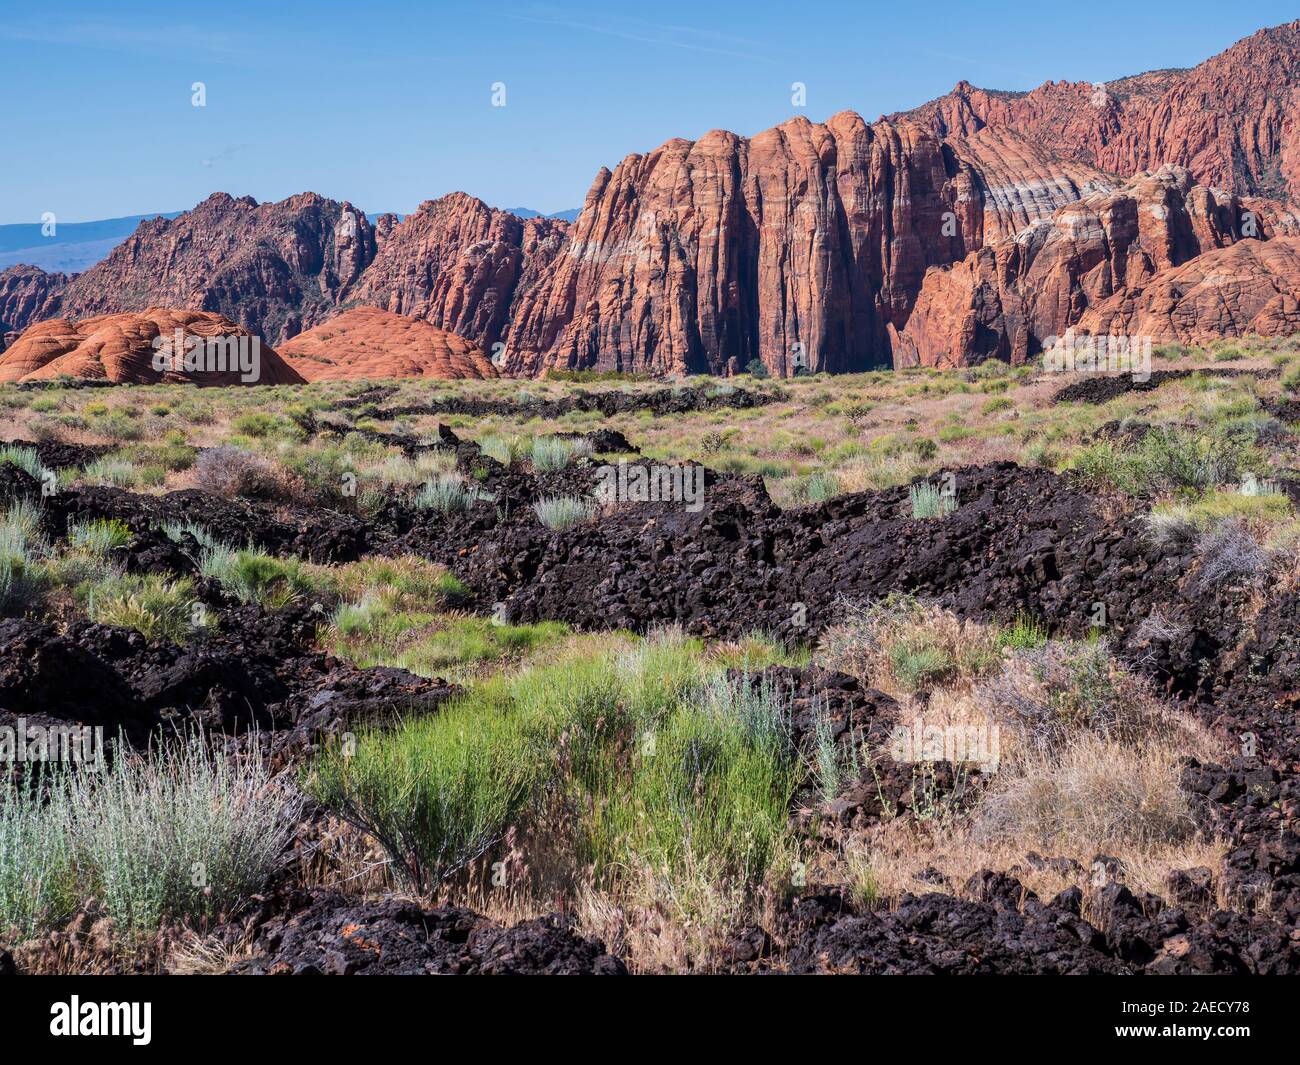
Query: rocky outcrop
<point x="369" y="344"/>
<point x="941" y="236"/>
<point x="462" y="265"/>
<point x="1249" y="288"/>
<point x="1232" y="120"/>
<point x="274" y="268"/>
<point x="797" y="247"/>
<point x="1006" y="299"/>
<point x="27" y="294"/>
<point x="143" y="349"/>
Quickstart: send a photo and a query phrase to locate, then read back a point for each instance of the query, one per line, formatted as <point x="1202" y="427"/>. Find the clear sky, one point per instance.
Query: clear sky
<point x="389" y="103"/>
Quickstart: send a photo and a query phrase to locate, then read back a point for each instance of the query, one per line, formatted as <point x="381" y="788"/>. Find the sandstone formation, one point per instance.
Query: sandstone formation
<point x="461" y="265"/>
<point x="1005" y="299"/>
<point x="975" y="226"/>
<point x="27" y="294"/>
<point x="1249" y="288"/>
<point x="127" y="349"/>
<point x="367" y="343"/>
<point x="1231" y="120"/>
<point x="274" y="268"/>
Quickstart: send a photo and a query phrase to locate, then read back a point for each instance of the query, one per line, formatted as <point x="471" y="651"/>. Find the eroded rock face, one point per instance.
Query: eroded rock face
<point x="972" y="227"/>
<point x="1231" y="120"/>
<point x="1004" y="300"/>
<point x="125" y="349"/>
<point x="27" y="294"/>
<point x="1249" y="288"/>
<point x="461" y="265"/>
<point x="797" y="247"/>
<point x="370" y="344"/>
<point x="275" y="268"/>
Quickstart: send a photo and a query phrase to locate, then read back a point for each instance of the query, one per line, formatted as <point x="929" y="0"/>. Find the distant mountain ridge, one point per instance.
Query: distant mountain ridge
<point x="571" y="215"/>
<point x="979" y="225"/>
<point x="72" y="247"/>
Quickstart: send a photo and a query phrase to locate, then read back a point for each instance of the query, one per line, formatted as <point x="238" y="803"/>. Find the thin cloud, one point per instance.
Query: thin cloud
<point x="225" y="153"/>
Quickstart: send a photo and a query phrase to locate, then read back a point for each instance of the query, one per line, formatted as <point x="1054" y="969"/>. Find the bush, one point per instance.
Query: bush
<point x="556" y="452"/>
<point x="928" y="501"/>
<point x="564" y="512"/>
<point x="756" y="368"/>
<point x="658" y="772"/>
<point x="98" y="537"/>
<point x="1229" y="553"/>
<point x="231" y="471"/>
<point x="438" y="792"/>
<point x="255" y="423"/>
<point x="1168" y="460"/>
<point x="446" y="495"/>
<point x="179" y="833"/>
<point x="157" y="608"/>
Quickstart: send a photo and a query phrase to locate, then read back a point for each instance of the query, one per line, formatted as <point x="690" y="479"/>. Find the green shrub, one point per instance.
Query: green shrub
<point x="255" y="424"/>
<point x="930" y="501"/>
<point x="157" y="608"/>
<point x="26" y="459"/>
<point x="99" y="536"/>
<point x="556" y="452"/>
<point x="438" y="792"/>
<point x="564" y="512"/>
<point x="662" y="772"/>
<point x="447" y="495"/>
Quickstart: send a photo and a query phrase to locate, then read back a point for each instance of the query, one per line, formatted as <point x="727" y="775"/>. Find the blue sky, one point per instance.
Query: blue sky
<point x="389" y="103"/>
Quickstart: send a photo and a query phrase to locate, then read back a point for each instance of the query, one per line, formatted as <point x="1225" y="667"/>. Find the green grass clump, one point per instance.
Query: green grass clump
<point x="273" y="582"/>
<point x="21" y="577"/>
<point x="554" y="452"/>
<point x="111" y="471"/>
<point x="507" y="450"/>
<point x="447" y="495"/>
<point x="38" y="888"/>
<point x="929" y="501"/>
<point x="564" y="512"/>
<point x="157" y="608"/>
<point x="99" y="536"/>
<point x="26" y="459"/>
<point x="919" y="664"/>
<point x="179" y="833"/>
<point x="666" y="771"/>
